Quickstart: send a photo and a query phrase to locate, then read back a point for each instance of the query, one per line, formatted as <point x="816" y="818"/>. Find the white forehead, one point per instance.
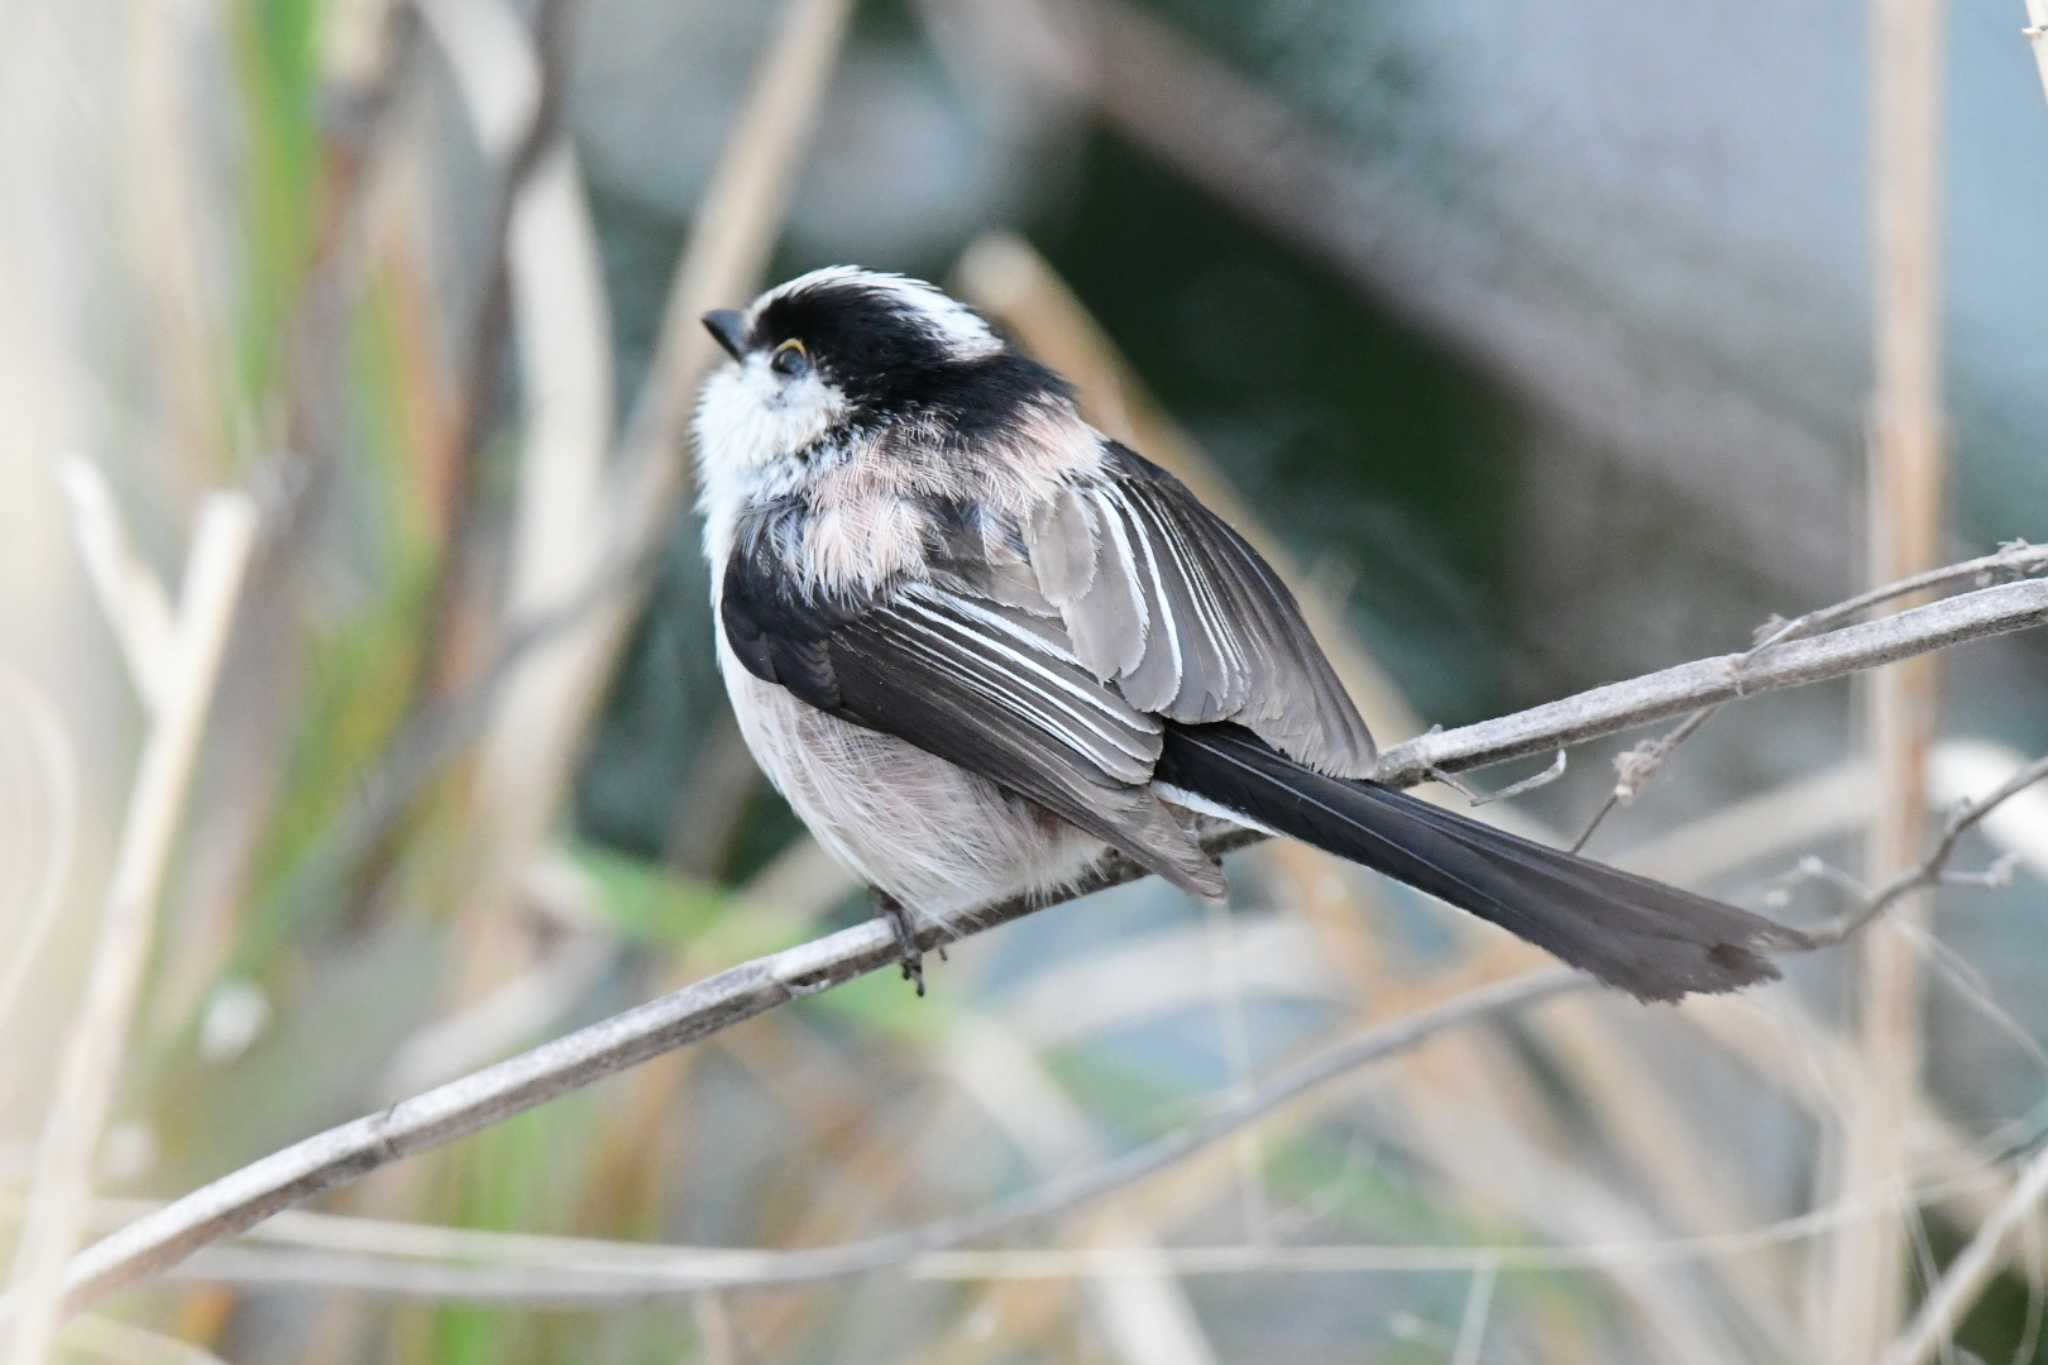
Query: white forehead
<point x="951" y="321"/>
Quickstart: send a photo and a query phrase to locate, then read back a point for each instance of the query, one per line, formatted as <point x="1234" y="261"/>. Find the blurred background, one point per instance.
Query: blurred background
<point x="1535" y="343"/>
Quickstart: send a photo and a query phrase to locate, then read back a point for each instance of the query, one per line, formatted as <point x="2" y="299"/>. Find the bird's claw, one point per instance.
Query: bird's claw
<point x="906" y="941"/>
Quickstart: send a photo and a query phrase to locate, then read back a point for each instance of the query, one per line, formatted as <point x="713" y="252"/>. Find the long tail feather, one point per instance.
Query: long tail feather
<point x="1649" y="939"/>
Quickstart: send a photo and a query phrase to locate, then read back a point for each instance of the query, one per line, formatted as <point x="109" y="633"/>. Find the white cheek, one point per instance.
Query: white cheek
<point x="749" y="417"/>
<point x="750" y="424"/>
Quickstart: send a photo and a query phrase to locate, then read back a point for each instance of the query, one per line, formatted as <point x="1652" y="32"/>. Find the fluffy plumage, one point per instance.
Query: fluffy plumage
<point x="972" y="641"/>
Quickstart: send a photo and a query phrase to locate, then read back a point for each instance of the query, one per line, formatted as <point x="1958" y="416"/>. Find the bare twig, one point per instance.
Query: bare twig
<point x="1145" y="1315"/>
<point x="1636" y="768"/>
<point x="1931" y="870"/>
<point x="220" y="553"/>
<point x="345" y="1153"/>
<point x="1655" y="696"/>
<point x="1534" y="782"/>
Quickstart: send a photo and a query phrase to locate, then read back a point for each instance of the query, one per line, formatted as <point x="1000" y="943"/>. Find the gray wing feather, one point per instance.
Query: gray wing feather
<point x="1164" y="601"/>
<point x="1019" y="664"/>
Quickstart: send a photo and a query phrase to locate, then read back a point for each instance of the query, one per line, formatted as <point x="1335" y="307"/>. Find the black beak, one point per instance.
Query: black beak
<point x="728" y="329"/>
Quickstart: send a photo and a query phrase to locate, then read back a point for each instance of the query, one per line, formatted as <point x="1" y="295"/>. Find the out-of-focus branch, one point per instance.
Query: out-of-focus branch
<point x="190" y="663"/>
<point x="130" y="595"/>
<point x="471" y="1265"/>
<point x="463" y="1106"/>
<point x="1941" y="1312"/>
<point x="537" y="95"/>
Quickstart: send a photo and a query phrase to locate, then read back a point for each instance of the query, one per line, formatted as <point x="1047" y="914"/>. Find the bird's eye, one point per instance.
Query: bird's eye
<point x="790" y="359"/>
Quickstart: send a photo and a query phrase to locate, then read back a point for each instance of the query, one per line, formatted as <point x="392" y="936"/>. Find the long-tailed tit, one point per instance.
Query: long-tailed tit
<point x="973" y="641"/>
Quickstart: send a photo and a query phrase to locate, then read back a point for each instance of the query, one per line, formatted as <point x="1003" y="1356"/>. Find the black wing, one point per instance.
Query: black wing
<point x="982" y="684"/>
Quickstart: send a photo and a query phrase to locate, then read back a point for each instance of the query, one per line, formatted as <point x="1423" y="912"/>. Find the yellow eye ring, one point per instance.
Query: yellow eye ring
<point x="790" y="359"/>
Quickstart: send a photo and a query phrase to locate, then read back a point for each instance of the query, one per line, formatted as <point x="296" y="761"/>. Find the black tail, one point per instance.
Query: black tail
<point x="1650" y="939"/>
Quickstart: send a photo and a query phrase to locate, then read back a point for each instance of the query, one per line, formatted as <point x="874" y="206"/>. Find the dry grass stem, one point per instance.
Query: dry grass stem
<point x="131" y="597"/>
<point x="91" y="1063"/>
<point x="1866" y="1274"/>
<point x="1941" y="1312"/>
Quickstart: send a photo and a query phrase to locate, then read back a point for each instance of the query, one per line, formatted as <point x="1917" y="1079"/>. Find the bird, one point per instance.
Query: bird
<point x="976" y="643"/>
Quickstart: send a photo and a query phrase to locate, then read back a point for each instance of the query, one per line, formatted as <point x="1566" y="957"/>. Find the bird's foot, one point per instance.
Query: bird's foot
<point x="906" y="940"/>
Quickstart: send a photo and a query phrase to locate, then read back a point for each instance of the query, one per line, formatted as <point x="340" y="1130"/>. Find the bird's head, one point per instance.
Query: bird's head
<point x="833" y="357"/>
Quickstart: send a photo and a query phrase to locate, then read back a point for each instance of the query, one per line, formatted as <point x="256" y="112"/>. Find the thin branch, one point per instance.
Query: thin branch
<point x="1932" y="870"/>
<point x="1635" y="769"/>
<point x="221" y="548"/>
<point x="1656" y="696"/>
<point x="351" y="1150"/>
